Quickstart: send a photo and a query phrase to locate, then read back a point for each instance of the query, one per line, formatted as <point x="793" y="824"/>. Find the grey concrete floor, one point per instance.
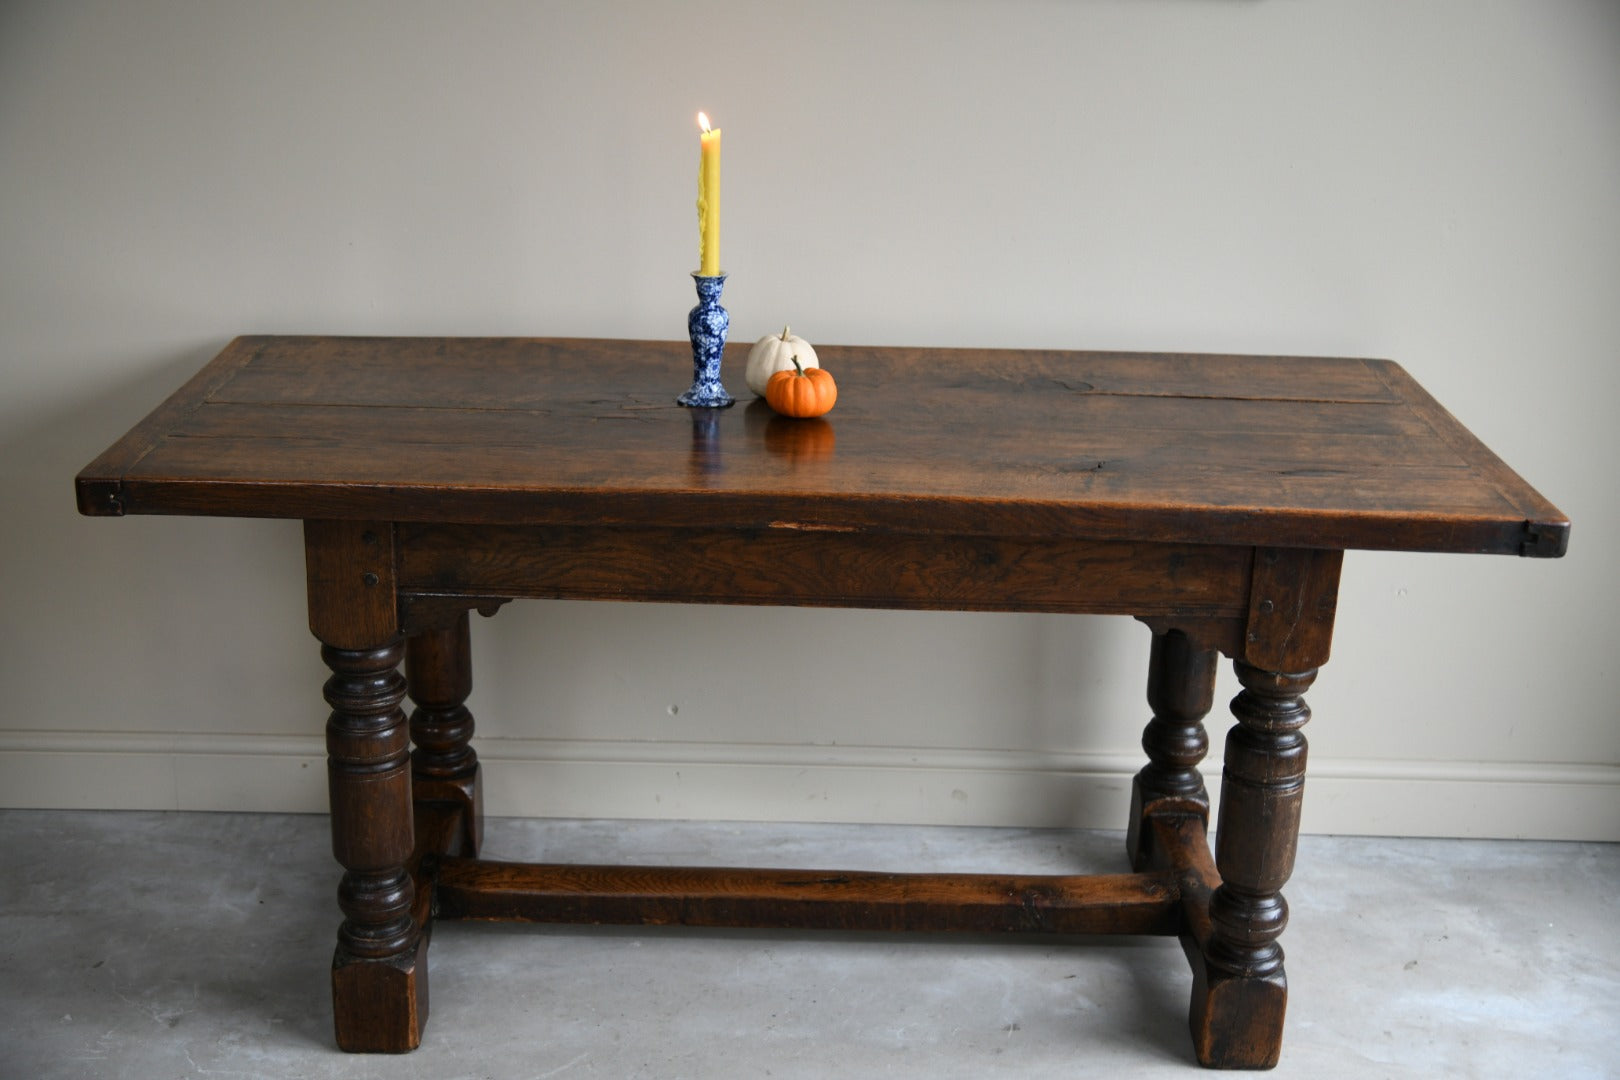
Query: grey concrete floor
<point x="151" y="945"/>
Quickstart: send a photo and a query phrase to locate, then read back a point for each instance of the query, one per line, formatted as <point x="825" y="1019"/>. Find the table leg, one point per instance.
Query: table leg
<point x="444" y="766"/>
<point x="1239" y="989"/>
<point x="379" y="972"/>
<point x="1181" y="689"/>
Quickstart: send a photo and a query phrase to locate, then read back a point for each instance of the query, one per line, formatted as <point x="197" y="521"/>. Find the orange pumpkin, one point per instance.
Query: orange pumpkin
<point x="802" y="391"/>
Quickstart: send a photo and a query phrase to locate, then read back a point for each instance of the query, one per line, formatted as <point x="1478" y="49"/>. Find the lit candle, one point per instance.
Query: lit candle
<point x="708" y="202"/>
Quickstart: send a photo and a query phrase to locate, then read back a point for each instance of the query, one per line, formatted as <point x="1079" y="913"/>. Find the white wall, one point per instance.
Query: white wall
<point x="1432" y="182"/>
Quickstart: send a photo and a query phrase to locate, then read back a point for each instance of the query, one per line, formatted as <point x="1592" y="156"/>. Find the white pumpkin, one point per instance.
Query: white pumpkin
<point x="773" y="353"/>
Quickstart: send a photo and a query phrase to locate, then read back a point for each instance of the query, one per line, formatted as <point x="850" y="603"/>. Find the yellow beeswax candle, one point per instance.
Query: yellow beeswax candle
<point x="708" y="202"/>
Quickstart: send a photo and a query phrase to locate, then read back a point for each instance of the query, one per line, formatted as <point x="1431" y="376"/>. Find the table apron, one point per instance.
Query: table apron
<point x="800" y="567"/>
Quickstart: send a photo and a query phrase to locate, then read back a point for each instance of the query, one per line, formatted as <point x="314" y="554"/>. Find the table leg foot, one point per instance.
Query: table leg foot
<point x="1237" y="1021"/>
<point x="380" y="1006"/>
<point x="1181" y="690"/>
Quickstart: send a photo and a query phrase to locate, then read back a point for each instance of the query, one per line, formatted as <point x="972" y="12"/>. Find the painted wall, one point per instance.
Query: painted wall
<point x="1435" y="183"/>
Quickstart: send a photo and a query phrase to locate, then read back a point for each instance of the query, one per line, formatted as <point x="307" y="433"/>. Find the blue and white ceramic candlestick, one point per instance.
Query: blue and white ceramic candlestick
<point x="707" y="323"/>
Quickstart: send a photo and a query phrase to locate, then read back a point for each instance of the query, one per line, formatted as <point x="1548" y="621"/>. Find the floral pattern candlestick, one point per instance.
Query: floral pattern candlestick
<point x="707" y="324"/>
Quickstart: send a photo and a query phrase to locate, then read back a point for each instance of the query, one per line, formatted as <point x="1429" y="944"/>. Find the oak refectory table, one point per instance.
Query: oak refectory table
<point x="1211" y="497"/>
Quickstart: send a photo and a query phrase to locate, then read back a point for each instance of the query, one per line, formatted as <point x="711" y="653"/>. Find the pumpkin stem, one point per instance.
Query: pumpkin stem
<point x="797" y="367"/>
<point x="784" y="332"/>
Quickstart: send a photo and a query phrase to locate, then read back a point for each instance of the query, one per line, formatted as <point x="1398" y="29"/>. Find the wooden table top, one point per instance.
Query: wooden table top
<point x="1282" y="451"/>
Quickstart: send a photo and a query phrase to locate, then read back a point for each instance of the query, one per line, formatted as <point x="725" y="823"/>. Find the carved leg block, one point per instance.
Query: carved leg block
<point x="1181" y="689"/>
<point x="467" y="791"/>
<point x="381" y="1007"/>
<point x="444" y="766"/>
<point x="1237" y="1022"/>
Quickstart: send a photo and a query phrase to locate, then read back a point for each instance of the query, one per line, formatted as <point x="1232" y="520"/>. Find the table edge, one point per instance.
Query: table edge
<point x="107" y="488"/>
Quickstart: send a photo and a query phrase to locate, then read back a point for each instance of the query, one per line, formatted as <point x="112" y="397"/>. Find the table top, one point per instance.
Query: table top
<point x="1282" y="451"/>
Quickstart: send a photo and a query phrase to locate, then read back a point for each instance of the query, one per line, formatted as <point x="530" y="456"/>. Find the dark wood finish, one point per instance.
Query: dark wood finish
<point x="1206" y="634"/>
<point x="444" y="765"/>
<point x="1212" y="497"/>
<point x="380" y="1006"/>
<point x="379" y="979"/>
<point x="430" y="611"/>
<point x="1275" y="451"/>
<point x="1293" y="599"/>
<point x="808" y="899"/>
<point x="1240" y="988"/>
<point x="101" y="486"/>
<point x="441" y="829"/>
<point x="350" y="570"/>
<point x="1181" y="691"/>
<point x="803" y="567"/>
<point x="1181" y="845"/>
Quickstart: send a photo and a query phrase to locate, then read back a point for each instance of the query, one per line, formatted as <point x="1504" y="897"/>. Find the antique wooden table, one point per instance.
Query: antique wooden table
<point x="1212" y="497"/>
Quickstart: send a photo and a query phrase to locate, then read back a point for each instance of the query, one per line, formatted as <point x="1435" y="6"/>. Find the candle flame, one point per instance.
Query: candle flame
<point x="703" y="121"/>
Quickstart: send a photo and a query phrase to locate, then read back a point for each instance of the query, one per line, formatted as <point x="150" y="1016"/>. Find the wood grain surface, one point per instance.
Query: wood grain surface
<point x="1146" y="903"/>
<point x="1285" y="451"/>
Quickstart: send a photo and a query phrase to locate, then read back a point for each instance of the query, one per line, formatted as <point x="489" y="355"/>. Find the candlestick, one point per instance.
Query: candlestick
<point x="708" y="203"/>
<point x="707" y="324"/>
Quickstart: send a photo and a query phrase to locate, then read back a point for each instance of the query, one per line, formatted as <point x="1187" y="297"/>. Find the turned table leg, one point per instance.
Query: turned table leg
<point x="1239" y="990"/>
<point x="444" y="766"/>
<point x="1181" y="689"/>
<point x="379" y="972"/>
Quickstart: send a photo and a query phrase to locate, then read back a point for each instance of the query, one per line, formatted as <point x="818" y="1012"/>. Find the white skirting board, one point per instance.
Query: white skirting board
<point x="598" y="779"/>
